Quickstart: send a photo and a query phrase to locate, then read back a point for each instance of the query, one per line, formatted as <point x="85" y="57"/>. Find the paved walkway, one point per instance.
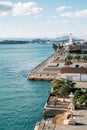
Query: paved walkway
<point x="81" y="122"/>
<point x="38" y="73"/>
<point x="80" y="117"/>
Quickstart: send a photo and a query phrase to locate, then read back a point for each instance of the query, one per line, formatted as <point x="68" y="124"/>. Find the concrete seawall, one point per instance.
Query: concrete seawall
<point x="38" y="74"/>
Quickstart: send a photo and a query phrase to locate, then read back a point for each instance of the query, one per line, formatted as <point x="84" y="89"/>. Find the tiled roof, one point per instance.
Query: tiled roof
<point x="51" y="69"/>
<point x="80" y="70"/>
<point x="74" y="48"/>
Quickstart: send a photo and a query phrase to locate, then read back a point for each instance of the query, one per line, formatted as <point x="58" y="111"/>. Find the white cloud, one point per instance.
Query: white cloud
<point x="19" y="8"/>
<point x="53" y="21"/>
<point x="77" y="14"/>
<point x="53" y="17"/>
<point x="58" y="21"/>
<point x="37" y="17"/>
<point x="64" y="21"/>
<point x="61" y="8"/>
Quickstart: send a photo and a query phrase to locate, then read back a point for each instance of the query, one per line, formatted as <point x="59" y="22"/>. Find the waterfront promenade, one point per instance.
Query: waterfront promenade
<point x="50" y="69"/>
<point x="80" y="117"/>
<point x="38" y="74"/>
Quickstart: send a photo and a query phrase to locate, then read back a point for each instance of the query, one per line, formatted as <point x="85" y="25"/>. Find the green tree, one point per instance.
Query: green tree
<point x="65" y="89"/>
<point x="55" y="47"/>
<point x="68" y="62"/>
<point x="84" y="58"/>
<point x="82" y="98"/>
<point x="69" y="57"/>
<point x="60" y="46"/>
<point x="77" y="57"/>
<point x="55" y="85"/>
<point x="77" y="94"/>
<point x="62" y="87"/>
<point x="71" y="84"/>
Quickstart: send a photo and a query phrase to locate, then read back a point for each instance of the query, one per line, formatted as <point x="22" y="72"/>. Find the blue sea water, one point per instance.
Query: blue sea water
<point x="21" y="100"/>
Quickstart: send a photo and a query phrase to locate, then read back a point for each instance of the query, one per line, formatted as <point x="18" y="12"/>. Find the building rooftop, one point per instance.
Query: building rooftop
<point x="82" y="85"/>
<point x="80" y="70"/>
<point x="74" y="48"/>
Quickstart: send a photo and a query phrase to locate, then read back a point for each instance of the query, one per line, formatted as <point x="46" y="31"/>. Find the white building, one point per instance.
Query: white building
<point x="75" y="74"/>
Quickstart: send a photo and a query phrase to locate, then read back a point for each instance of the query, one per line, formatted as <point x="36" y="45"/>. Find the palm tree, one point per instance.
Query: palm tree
<point x="55" y="47"/>
<point x="60" y="46"/>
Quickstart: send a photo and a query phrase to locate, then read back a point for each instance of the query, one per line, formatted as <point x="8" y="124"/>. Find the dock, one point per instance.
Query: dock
<point x="38" y="72"/>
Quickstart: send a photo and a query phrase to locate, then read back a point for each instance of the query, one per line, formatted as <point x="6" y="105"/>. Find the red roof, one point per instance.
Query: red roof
<point x="74" y="48"/>
<point x="51" y="69"/>
<point x="80" y="70"/>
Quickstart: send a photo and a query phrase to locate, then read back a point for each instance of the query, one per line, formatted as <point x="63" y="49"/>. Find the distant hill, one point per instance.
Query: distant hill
<point x="57" y="40"/>
<point x="64" y="38"/>
<point x="13" y="42"/>
<point x="32" y="39"/>
<point x="14" y="39"/>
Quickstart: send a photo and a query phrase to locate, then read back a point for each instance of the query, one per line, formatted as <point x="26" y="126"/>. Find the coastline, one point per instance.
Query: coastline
<point x="38" y="74"/>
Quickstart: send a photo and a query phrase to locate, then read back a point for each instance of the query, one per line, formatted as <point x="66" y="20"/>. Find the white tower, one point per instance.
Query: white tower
<point x="70" y="40"/>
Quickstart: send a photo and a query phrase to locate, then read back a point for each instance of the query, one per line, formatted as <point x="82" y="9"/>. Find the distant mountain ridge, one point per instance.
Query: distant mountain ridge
<point x="24" y="39"/>
<point x="62" y="39"/>
<point x="66" y="38"/>
<point x="14" y="39"/>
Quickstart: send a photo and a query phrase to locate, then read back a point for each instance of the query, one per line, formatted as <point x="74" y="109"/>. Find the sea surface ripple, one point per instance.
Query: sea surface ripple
<point x="21" y="100"/>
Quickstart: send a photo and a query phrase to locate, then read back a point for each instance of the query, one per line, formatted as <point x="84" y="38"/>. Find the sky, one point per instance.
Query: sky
<point x="43" y="18"/>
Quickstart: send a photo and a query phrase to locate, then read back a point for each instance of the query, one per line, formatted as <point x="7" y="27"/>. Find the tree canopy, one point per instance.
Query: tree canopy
<point x="77" y="57"/>
<point x="55" y="47"/>
<point x="84" y="57"/>
<point x="62" y="87"/>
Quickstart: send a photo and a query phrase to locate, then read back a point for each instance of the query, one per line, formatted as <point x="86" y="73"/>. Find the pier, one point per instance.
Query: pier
<point x="39" y="72"/>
